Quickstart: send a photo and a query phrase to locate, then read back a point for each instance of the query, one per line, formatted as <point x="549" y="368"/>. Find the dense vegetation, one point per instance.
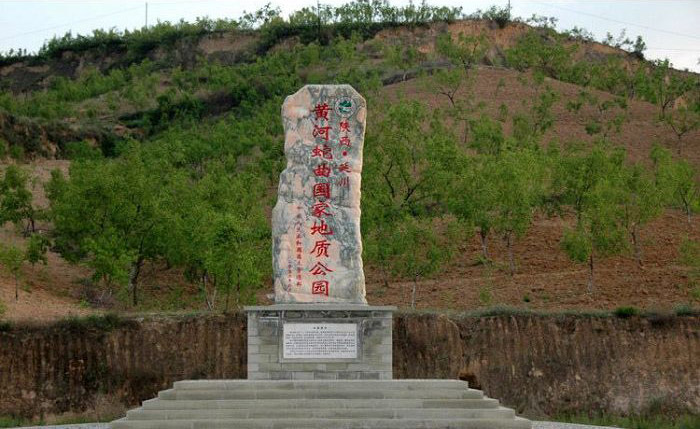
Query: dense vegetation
<point x="187" y="190"/>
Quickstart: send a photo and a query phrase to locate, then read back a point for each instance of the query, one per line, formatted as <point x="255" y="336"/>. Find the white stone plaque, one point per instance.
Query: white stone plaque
<point x="319" y="341"/>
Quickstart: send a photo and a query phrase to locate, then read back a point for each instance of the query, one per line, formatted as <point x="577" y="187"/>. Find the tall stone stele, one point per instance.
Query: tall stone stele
<point x="320" y="326"/>
<point x="317" y="247"/>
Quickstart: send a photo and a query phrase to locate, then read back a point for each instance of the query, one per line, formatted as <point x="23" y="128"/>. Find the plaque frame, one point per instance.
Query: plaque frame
<point x="318" y="320"/>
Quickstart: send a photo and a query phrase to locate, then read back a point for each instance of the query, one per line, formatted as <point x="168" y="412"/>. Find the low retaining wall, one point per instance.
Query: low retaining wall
<point x="539" y="365"/>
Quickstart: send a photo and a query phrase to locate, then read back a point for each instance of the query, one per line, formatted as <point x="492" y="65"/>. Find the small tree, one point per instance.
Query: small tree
<point x="666" y="85"/>
<point x="590" y="183"/>
<point x="598" y="233"/>
<point x="402" y="57"/>
<point x="109" y="215"/>
<point x="416" y="251"/>
<point x="682" y="121"/>
<point x="16" y="200"/>
<point x="464" y="50"/>
<point x="609" y="115"/>
<point x="219" y="235"/>
<point x="473" y="198"/>
<point x="642" y="202"/>
<point x="518" y="181"/>
<point x="37" y="246"/>
<point x="677" y="180"/>
<point x="11" y="258"/>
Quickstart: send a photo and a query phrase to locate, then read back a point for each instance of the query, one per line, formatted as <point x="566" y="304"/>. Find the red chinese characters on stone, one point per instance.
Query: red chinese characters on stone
<point x="319" y="209"/>
<point x="319" y="287"/>
<point x="321" y="132"/>
<point x="320" y="269"/>
<point x="322" y="152"/>
<point x="345" y="141"/>
<point x="321" y="248"/>
<point x="322" y="228"/>
<point x="322" y="190"/>
<point x="321" y="111"/>
<point x="345" y="126"/>
<point x="322" y="170"/>
<point x="344" y="168"/>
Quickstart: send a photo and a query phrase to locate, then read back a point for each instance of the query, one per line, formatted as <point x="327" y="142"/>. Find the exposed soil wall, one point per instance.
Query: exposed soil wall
<point x="541" y="365"/>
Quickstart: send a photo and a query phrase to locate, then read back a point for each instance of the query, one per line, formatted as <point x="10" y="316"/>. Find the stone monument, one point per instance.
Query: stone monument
<point x="320" y="357"/>
<point x="320" y="326"/>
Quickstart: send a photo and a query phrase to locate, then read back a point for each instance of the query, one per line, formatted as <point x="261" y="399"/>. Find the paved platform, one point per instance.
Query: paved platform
<point x="535" y="425"/>
<point x="322" y="404"/>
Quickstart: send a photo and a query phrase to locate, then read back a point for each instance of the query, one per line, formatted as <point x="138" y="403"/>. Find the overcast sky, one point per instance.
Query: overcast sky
<point x="670" y="28"/>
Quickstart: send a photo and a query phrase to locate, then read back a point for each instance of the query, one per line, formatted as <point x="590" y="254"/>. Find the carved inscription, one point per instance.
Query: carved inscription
<point x="319" y="341"/>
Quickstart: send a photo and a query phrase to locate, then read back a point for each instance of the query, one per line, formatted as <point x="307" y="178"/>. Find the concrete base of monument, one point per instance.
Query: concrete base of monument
<point x="321" y="366"/>
<point x="319" y="342"/>
<point x="322" y="404"/>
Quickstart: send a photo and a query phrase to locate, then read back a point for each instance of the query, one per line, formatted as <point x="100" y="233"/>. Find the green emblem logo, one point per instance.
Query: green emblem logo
<point x="345" y="107"/>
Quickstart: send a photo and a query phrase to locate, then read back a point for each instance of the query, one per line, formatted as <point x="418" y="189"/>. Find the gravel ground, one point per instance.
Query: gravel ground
<point x="535" y="425"/>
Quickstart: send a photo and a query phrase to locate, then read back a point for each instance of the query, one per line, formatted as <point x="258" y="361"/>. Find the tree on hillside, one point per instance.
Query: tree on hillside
<point x="609" y="114"/>
<point x="518" y="181"/>
<point x="642" y="201"/>
<point x="590" y="182"/>
<point x="666" y="85"/>
<point x="402" y="57"/>
<point x="37" y="246"/>
<point x="219" y="235"/>
<point x="109" y="214"/>
<point x="465" y="51"/>
<point x="416" y="250"/>
<point x="536" y="117"/>
<point x="409" y="166"/>
<point x="11" y="259"/>
<point x="543" y="51"/>
<point x="682" y="120"/>
<point x="408" y="158"/>
<point x="16" y="200"/>
<point x="473" y="198"/>
<point x="677" y="180"/>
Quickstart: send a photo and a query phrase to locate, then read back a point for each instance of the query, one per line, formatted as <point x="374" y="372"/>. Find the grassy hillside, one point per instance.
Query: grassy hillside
<point x="506" y="163"/>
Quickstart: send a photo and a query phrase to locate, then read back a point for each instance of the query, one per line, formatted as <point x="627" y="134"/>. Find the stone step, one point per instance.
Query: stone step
<point x="331" y="393"/>
<point x="319" y="384"/>
<point x="269" y="404"/>
<point x="354" y="413"/>
<point x="287" y="423"/>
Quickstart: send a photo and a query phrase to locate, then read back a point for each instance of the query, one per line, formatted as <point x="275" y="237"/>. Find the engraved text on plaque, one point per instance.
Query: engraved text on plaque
<point x="319" y="341"/>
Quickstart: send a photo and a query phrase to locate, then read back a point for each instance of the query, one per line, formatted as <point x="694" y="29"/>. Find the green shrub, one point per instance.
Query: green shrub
<point x="686" y="310"/>
<point x="499" y="15"/>
<point x="624" y="312"/>
<point x="11" y="421"/>
<point x="82" y="150"/>
<point x="17" y="153"/>
<point x="99" y="323"/>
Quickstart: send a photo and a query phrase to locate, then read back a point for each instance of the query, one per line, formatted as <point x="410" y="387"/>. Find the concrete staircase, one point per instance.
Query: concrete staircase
<point x="320" y="404"/>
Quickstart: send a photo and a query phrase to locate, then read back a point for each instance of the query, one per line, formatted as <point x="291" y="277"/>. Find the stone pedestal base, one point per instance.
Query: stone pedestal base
<point x="319" y="342"/>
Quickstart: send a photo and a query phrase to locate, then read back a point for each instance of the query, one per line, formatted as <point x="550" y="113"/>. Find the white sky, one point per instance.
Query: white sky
<point x="670" y="28"/>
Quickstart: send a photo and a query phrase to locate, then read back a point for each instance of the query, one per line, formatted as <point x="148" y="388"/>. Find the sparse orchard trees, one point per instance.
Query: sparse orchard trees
<point x="591" y="184"/>
<point x="609" y="113"/>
